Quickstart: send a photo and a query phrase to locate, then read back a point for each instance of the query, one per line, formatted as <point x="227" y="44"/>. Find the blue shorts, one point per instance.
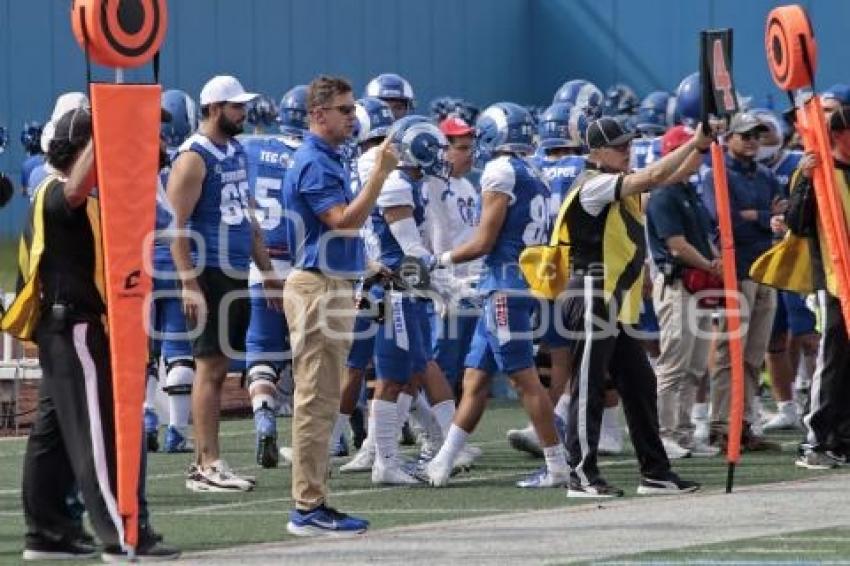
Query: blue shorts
<point x="400" y="346"/>
<point x="363" y="345"/>
<point x="267" y="339"/>
<point x="555" y="327"/>
<point x="503" y="335"/>
<point x="168" y="322"/>
<point x="451" y="338"/>
<point x="792" y="316"/>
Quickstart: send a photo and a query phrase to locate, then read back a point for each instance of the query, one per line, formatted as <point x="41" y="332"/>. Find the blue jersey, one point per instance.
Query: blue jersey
<point x="221" y="215"/>
<point x="559" y="174"/>
<point x="268" y="159"/>
<point x="32" y="172"/>
<point x="400" y="189"/>
<point x="784" y="167"/>
<point x="164" y="217"/>
<point x="526" y="222"/>
<point x="644" y="152"/>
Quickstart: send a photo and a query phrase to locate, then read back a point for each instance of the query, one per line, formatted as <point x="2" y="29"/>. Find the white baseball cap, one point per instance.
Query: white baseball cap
<point x="64" y="104"/>
<point x="224" y="88"/>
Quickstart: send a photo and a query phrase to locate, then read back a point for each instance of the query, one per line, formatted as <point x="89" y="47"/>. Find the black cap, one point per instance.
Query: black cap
<point x="840" y="118"/>
<point x="607" y="132"/>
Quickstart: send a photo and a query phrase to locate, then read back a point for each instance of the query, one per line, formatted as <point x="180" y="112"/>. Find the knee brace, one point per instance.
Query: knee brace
<point x="262" y="373"/>
<point x="180" y="373"/>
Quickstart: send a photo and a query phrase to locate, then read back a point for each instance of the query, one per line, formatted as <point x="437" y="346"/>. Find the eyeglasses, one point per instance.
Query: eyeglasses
<point x="345" y="109"/>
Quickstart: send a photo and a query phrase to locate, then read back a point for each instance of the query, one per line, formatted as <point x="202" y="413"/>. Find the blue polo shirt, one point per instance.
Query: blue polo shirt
<point x="752" y="186"/>
<point x="316" y="182"/>
<point x="676" y="211"/>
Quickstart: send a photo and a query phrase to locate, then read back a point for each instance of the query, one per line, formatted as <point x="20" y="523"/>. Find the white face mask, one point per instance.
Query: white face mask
<point x="768" y="153"/>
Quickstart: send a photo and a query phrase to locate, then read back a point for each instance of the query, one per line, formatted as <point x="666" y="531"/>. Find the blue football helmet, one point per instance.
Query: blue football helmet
<point x="419" y="143"/>
<point x="689" y="100"/>
<point x="620" y="100"/>
<point x="562" y="125"/>
<point x="839" y="92"/>
<point x="31" y="137"/>
<point x="261" y="112"/>
<point x="292" y="112"/>
<point x="184" y="117"/>
<point x="374" y="119"/>
<point x="582" y="94"/>
<point x="390" y="86"/>
<point x="656" y="113"/>
<point x="503" y="126"/>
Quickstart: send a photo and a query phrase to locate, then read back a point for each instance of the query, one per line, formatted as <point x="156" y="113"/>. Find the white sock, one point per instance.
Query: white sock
<point x="369" y="441"/>
<point x="261" y="400"/>
<point x="454" y="443"/>
<point x="562" y="408"/>
<point x="444" y="412"/>
<point x="423" y="421"/>
<point x="610" y="423"/>
<point x="179" y="407"/>
<point x="556" y="459"/>
<point x="403" y="405"/>
<point x="150" y="393"/>
<point x="386" y="430"/>
<point x="699" y="412"/>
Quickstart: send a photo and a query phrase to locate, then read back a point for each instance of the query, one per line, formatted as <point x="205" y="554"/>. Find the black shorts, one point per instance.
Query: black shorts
<point x="224" y="332"/>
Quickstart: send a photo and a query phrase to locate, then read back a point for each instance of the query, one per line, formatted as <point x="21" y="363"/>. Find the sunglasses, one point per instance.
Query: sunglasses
<point x="345" y="109"/>
<point x="747" y="136"/>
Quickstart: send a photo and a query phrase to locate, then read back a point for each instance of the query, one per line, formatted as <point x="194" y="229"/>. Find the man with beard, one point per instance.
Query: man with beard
<point x="208" y="190"/>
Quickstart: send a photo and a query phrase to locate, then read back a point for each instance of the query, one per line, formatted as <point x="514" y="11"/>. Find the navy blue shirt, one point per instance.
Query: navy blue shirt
<point x="676" y="211"/>
<point x="752" y="186"/>
<point x="316" y="182"/>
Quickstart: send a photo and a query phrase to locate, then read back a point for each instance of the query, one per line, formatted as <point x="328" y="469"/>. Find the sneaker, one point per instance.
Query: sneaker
<point x="525" y="440"/>
<point x="597" y="489"/>
<point x="783" y="420"/>
<point x="703" y="450"/>
<point x="151" y="421"/>
<point x="542" y="478"/>
<point x="176" y="442"/>
<point x="817" y="460"/>
<point x="324" y="521"/>
<point x="362" y="461"/>
<point x="152" y="551"/>
<point x="69" y="548"/>
<point x="610" y="443"/>
<point x="436" y="473"/>
<point x="218" y="477"/>
<point x="465" y="459"/>
<point x="669" y="484"/>
<point x="674" y="450"/>
<point x="391" y="473"/>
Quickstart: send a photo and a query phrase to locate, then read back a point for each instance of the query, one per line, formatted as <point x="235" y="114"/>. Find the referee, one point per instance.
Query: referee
<point x="61" y="307"/>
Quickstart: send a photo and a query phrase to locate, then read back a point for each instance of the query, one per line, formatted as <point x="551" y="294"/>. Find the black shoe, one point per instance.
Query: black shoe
<point x="407" y="436"/>
<point x="68" y="548"/>
<point x="80" y="534"/>
<point x="267" y="453"/>
<point x="358" y="428"/>
<point x="152" y="439"/>
<point x="670" y="483"/>
<point x="597" y="489"/>
<point x="150" y="550"/>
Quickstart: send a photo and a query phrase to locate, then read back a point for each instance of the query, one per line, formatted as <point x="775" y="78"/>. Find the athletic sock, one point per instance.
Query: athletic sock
<point x="454" y="443"/>
<point x="386" y="431"/>
<point x="556" y="459"/>
<point x="444" y="412"/>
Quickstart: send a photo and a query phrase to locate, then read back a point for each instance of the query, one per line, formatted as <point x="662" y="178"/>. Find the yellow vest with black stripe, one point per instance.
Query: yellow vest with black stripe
<point x="623" y="244"/>
<point x="22" y="316"/>
<point x="788" y="264"/>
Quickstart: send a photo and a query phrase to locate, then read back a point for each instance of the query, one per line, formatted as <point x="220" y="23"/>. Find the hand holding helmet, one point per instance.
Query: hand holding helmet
<point x="419" y="143"/>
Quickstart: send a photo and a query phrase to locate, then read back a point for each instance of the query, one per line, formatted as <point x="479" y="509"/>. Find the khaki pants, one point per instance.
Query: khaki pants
<point x="757" y="311"/>
<point x="320" y="313"/>
<point x="684" y="340"/>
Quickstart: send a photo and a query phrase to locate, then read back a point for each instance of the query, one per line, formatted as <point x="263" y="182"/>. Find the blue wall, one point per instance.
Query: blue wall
<point x="482" y="50"/>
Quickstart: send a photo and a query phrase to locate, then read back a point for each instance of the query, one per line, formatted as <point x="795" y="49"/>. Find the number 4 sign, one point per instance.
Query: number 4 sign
<point x="718" y="90"/>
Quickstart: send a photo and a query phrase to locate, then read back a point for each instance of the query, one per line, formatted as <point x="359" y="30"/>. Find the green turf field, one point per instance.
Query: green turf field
<point x="205" y="521"/>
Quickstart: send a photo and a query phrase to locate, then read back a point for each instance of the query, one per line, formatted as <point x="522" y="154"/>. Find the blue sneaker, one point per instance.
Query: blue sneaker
<point x="324" y="521"/>
<point x="151" y="430"/>
<point x="266" y="426"/>
<point x="176" y="442"/>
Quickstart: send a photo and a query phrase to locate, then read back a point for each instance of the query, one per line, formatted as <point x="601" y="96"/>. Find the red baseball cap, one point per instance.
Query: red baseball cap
<point x="455" y="126"/>
<point x="674" y="138"/>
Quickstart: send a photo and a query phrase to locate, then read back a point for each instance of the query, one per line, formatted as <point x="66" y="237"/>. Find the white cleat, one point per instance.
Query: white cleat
<point x="543" y="478"/>
<point x="525" y="440"/>
<point x="437" y="473"/>
<point x="466" y="457"/>
<point x="363" y="461"/>
<point x="674" y="450"/>
<point x="391" y="474"/>
<point x="783" y="420"/>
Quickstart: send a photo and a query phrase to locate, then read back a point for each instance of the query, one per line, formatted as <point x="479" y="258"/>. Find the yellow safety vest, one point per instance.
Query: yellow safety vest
<point x="788" y="264"/>
<point x="22" y="316"/>
<point x="547" y="268"/>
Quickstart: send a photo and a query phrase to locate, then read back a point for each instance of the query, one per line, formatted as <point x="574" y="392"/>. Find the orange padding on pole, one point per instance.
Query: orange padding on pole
<point x="787" y="32"/>
<point x="811" y="123"/>
<point x="733" y="306"/>
<point x="126" y="136"/>
<point x="121" y="33"/>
